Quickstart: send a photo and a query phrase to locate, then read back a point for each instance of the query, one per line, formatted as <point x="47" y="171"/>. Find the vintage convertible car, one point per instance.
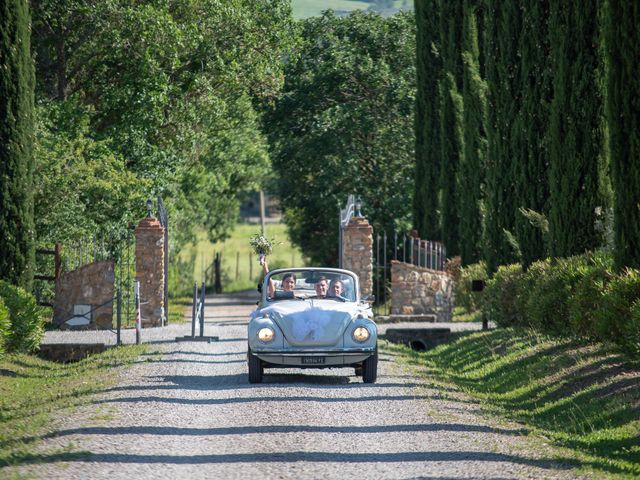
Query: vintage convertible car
<point x="312" y="318"/>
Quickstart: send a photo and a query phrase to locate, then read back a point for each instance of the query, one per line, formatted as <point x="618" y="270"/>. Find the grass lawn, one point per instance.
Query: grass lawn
<point x="240" y="267"/>
<point x="179" y="309"/>
<point x="33" y="391"/>
<point x="461" y="315"/>
<point x="585" y="399"/>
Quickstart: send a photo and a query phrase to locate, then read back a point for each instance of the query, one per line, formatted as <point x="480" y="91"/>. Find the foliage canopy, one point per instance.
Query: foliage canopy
<point x="150" y="98"/>
<point x="344" y="124"/>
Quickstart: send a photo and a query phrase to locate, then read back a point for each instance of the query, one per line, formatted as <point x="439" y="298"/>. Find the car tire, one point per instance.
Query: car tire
<point x="370" y="369"/>
<point x="255" y="368"/>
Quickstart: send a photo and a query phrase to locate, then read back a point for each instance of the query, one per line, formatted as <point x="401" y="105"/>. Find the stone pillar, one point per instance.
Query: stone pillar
<point x="357" y="250"/>
<point x="150" y="270"/>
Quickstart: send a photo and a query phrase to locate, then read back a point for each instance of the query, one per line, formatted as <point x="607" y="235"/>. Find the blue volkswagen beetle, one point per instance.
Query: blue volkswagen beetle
<point x="312" y="318"/>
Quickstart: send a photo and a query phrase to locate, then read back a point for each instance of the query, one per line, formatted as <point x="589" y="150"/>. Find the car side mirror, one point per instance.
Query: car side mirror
<point x="260" y="288"/>
<point x="369" y="298"/>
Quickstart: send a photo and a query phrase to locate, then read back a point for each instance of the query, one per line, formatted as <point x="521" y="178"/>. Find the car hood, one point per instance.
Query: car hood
<point x="312" y="322"/>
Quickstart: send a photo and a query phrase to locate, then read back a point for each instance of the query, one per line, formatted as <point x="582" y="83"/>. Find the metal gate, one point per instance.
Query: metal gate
<point x="47" y="260"/>
<point x="402" y="247"/>
<point x="117" y="246"/>
<point x="344" y="217"/>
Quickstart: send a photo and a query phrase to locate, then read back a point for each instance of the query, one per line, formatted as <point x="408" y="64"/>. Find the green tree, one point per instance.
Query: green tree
<point x="532" y="173"/>
<point x="472" y="167"/>
<point x="426" y="212"/>
<point x="80" y="185"/>
<point x="344" y="124"/>
<point x="623" y="91"/>
<point x="503" y="26"/>
<point x="575" y="127"/>
<point x="169" y="86"/>
<point x="17" y="251"/>
<point x="451" y="120"/>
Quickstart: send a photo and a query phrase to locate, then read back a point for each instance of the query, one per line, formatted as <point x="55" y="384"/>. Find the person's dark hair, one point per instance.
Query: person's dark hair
<point x="321" y="278"/>
<point x="287" y="275"/>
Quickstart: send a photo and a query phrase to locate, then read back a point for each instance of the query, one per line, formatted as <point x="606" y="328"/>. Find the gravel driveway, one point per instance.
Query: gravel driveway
<point x="192" y="414"/>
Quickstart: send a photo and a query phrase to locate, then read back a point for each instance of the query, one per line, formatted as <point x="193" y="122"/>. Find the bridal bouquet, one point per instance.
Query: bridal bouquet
<point x="261" y="246"/>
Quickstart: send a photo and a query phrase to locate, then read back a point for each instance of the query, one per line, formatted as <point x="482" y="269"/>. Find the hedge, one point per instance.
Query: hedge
<point x="4" y="327"/>
<point x="26" y="320"/>
<point x="580" y="296"/>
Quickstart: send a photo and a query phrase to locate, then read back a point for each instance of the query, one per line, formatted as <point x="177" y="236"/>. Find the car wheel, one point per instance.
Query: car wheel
<point x="255" y="368"/>
<point x="370" y="369"/>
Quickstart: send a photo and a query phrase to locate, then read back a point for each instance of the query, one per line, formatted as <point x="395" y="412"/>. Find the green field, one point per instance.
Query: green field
<point x="314" y="8"/>
<point x="240" y="267"/>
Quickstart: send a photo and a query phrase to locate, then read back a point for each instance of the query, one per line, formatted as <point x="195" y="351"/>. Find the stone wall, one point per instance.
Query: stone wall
<point x="357" y="251"/>
<point x="150" y="271"/>
<point x="421" y="291"/>
<point x="90" y="285"/>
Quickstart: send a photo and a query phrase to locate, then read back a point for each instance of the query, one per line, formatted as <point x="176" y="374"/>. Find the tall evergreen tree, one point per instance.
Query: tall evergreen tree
<point x="623" y="113"/>
<point x="502" y="31"/>
<point x="575" y="126"/>
<point x="451" y="113"/>
<point x="532" y="124"/>
<point x="17" y="251"/>
<point x="471" y="171"/>
<point x="426" y="217"/>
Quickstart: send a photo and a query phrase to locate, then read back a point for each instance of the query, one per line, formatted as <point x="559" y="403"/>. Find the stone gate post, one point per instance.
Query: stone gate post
<point x="150" y="270"/>
<point x="357" y="250"/>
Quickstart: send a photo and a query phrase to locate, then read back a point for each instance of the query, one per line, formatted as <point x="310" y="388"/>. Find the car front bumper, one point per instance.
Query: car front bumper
<point x="316" y="358"/>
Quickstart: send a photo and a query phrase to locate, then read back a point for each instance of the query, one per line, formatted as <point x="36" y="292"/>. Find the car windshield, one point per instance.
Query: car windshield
<point x="316" y="284"/>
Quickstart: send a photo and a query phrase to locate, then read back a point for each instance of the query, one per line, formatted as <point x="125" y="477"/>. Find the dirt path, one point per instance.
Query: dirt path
<point x="192" y="414"/>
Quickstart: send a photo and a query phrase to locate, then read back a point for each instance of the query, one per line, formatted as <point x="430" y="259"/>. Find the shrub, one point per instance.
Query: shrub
<point x="594" y="272"/>
<point x="578" y="297"/>
<point x="618" y="314"/>
<point x="453" y="267"/>
<point x="465" y="298"/>
<point x="547" y="306"/>
<point x="501" y="295"/>
<point x="4" y="326"/>
<point x="25" y="317"/>
<point x="632" y="341"/>
<point x="181" y="275"/>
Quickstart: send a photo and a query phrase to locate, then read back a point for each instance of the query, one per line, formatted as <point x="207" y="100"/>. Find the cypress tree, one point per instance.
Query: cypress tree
<point x="532" y="125"/>
<point x="623" y="116"/>
<point x="17" y="251"/>
<point x="426" y="216"/>
<point x="502" y="31"/>
<point x="451" y="113"/>
<point x="575" y="127"/>
<point x="471" y="172"/>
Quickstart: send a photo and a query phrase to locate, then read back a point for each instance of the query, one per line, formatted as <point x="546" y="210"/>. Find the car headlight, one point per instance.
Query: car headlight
<point x="266" y="334"/>
<point x="360" y="334"/>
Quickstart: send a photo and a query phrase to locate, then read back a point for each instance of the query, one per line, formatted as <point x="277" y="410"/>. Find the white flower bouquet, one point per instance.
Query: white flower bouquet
<point x="261" y="246"/>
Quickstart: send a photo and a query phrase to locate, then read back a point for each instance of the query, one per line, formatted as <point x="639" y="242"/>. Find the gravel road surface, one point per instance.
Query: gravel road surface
<point x="192" y="414"/>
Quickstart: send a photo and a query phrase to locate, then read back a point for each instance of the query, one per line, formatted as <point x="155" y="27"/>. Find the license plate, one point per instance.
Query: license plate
<point x="312" y="360"/>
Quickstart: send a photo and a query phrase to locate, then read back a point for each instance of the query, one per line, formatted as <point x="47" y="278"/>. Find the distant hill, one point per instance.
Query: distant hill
<point x="312" y="8"/>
